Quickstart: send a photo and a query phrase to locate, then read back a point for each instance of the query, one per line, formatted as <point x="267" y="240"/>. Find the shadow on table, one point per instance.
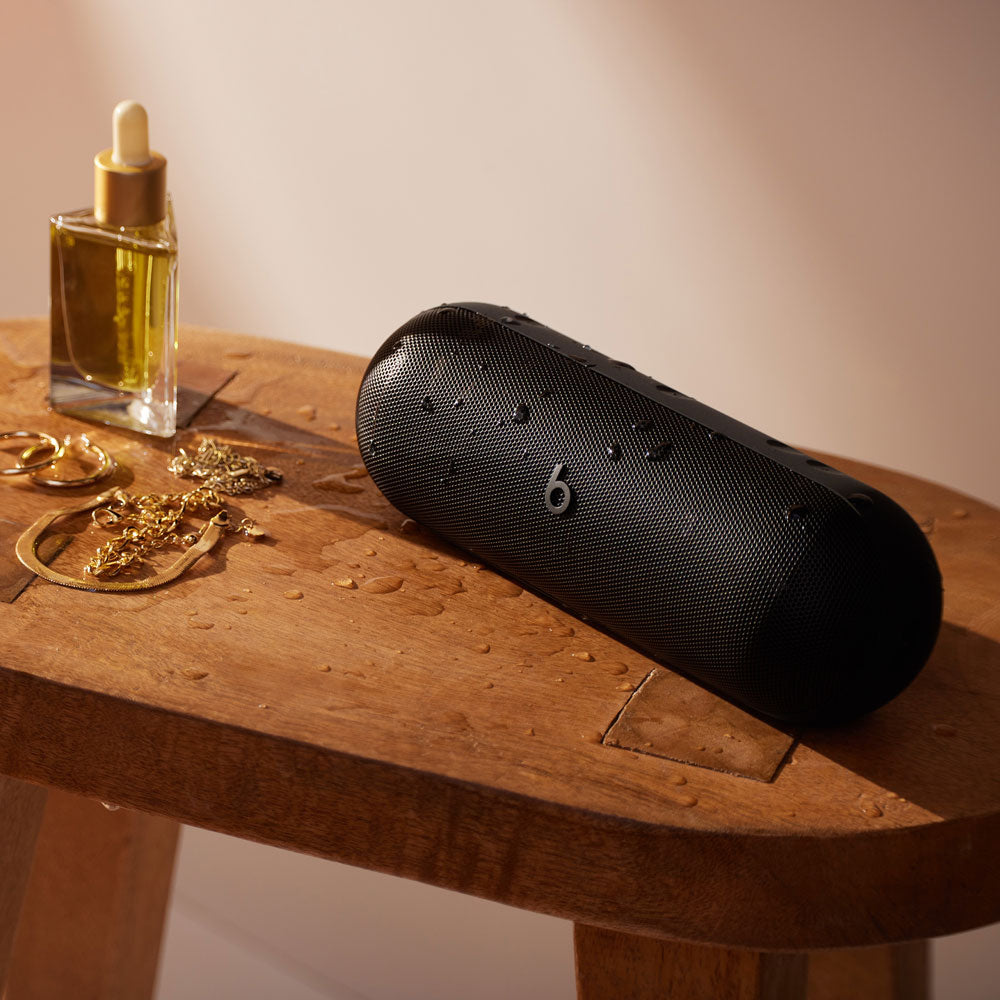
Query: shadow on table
<point x="938" y="744"/>
<point x="319" y="472"/>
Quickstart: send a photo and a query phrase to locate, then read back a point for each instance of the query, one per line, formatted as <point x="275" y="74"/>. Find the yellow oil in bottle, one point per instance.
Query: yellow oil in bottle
<point x="114" y="306"/>
<point x="114" y="290"/>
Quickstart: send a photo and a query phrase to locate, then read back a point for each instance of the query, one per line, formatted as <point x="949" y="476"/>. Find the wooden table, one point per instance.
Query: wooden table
<point x="353" y="688"/>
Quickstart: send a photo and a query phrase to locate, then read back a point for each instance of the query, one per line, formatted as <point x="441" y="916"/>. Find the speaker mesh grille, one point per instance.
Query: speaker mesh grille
<point x="685" y="543"/>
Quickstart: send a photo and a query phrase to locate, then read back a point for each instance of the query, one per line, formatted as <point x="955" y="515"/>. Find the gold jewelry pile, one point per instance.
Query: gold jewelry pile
<point x="154" y="521"/>
<point x="223" y="469"/>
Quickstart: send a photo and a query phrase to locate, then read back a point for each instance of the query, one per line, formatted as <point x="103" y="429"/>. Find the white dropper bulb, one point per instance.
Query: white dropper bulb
<point x="130" y="131"/>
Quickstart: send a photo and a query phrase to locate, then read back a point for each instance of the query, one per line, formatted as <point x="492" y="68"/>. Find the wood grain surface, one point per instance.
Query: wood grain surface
<point x="615" y="966"/>
<point x="92" y="920"/>
<point x="887" y="972"/>
<point x="21" y="808"/>
<point x="355" y="688"/>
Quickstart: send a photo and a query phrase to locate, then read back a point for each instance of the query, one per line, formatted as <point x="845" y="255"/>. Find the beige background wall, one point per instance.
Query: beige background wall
<point x="790" y="210"/>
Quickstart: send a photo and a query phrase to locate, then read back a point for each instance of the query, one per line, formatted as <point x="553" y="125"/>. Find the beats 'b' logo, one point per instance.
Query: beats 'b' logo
<point x="558" y="495"/>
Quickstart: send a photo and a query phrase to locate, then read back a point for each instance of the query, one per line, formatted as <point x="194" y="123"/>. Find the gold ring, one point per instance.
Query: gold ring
<point x="107" y="466"/>
<point x="44" y="441"/>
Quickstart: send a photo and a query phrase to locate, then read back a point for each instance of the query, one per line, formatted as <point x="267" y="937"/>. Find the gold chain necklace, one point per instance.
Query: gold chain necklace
<point x="223" y="469"/>
<point x="153" y="521"/>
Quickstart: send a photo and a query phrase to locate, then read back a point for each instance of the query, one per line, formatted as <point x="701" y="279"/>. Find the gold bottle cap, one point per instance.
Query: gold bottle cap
<point x="130" y="182"/>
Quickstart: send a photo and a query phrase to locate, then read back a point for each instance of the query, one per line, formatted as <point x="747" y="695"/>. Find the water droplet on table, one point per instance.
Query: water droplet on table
<point x="382" y="584"/>
<point x="336" y="482"/>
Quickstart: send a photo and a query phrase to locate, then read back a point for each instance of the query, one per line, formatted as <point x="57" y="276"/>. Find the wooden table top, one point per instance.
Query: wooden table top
<point x="354" y="688"/>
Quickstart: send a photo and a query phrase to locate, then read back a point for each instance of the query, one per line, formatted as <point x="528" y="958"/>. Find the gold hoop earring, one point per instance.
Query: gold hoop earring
<point x="44" y="441"/>
<point x="106" y="467"/>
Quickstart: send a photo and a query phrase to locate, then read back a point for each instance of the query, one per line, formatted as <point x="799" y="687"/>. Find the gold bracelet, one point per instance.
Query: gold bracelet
<point x="28" y="542"/>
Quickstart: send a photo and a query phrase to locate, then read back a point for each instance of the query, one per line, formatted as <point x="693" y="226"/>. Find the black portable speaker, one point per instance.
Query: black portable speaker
<point x="777" y="581"/>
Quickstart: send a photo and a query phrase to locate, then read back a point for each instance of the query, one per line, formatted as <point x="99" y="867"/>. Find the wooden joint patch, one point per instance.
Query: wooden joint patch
<point x="670" y="716"/>
<point x="14" y="576"/>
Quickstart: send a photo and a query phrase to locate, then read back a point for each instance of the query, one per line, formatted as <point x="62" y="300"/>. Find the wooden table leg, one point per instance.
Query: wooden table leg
<point x="93" y="916"/>
<point x="889" y="972"/>
<point x="615" y="966"/>
<point x="21" y="808"/>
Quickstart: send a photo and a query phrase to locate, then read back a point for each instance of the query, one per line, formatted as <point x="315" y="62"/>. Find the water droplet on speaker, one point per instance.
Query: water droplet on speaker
<point x="508" y="319"/>
<point x="717" y="436"/>
<point x="546" y="394"/>
<point x="521" y="413"/>
<point x="372" y="448"/>
<point x="613" y="451"/>
<point x="482" y="366"/>
<point x="666" y="388"/>
<point x="427" y="404"/>
<point x="861" y="502"/>
<point x="658" y="452"/>
<point x="774" y="443"/>
<point x="796" y="513"/>
<point x="459" y="403"/>
<point x="642" y="425"/>
<point x="817" y="464"/>
<point x="623" y="364"/>
<point x="499" y="421"/>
